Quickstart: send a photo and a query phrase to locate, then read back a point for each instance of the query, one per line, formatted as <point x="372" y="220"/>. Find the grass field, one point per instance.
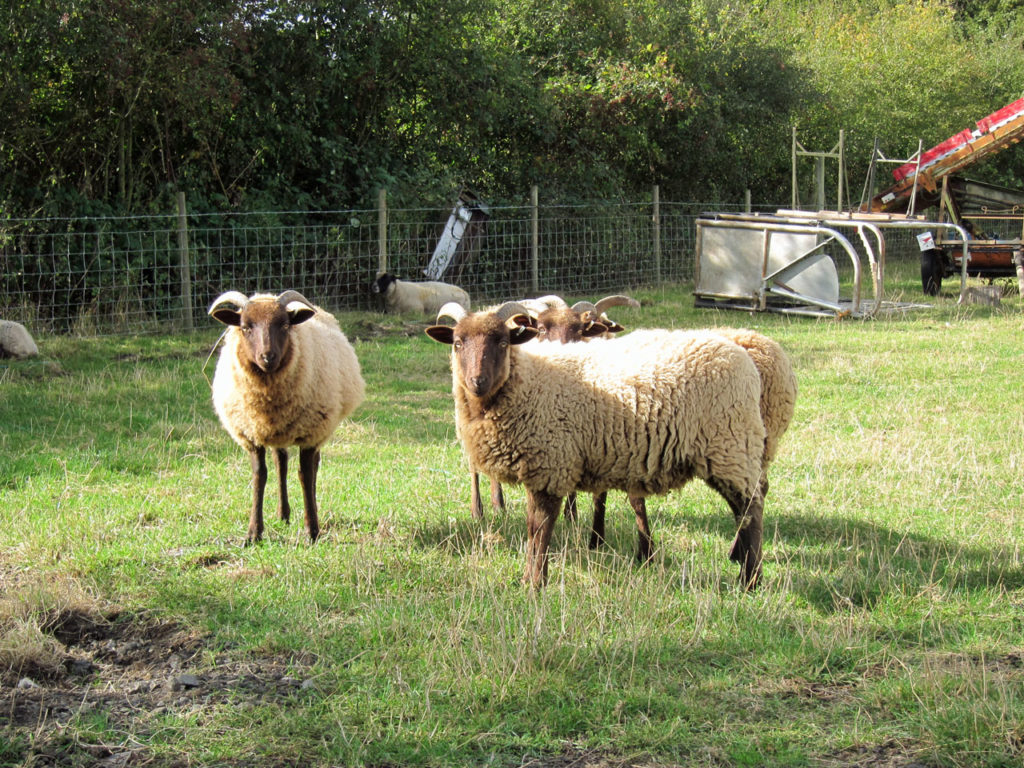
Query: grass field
<point x="888" y="629"/>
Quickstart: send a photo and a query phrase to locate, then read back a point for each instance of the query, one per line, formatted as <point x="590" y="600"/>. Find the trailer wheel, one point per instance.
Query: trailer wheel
<point x="931" y="271"/>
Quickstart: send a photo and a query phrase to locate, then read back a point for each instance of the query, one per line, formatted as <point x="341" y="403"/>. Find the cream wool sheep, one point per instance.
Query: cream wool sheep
<point x="556" y="321"/>
<point x="424" y="297"/>
<point x="16" y="341"/>
<point x="286" y="376"/>
<point x="644" y="414"/>
<point x="777" y="404"/>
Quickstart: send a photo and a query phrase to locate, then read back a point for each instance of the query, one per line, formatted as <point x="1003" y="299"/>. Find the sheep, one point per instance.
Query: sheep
<point x="556" y="321"/>
<point x="777" y="404"/>
<point x="16" y="341"/>
<point x="286" y="376"/>
<point x="402" y="296"/>
<point x="644" y="414"/>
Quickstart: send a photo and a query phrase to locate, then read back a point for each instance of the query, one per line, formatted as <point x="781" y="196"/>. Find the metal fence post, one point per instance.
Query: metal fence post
<point x="184" y="268"/>
<point x="534" y="239"/>
<point x="382" y="231"/>
<point x="656" y="231"/>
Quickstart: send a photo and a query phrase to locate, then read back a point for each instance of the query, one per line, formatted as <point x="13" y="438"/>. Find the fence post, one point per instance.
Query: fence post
<point x="382" y="230"/>
<point x="656" y="231"/>
<point x="746" y="201"/>
<point x="534" y="239"/>
<point x="184" y="269"/>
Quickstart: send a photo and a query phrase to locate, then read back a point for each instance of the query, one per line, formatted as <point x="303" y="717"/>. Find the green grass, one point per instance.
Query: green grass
<point x="888" y="629"/>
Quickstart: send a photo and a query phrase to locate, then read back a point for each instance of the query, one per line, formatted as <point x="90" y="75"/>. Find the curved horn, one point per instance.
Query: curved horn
<point x="585" y="306"/>
<point x="510" y="309"/>
<point x="615" y="301"/>
<point x="287" y="297"/>
<point x="452" y="310"/>
<point x="551" y="301"/>
<point x="234" y="298"/>
<point x="543" y="304"/>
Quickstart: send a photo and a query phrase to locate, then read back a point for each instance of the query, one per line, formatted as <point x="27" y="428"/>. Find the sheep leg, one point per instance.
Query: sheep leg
<point x="476" y="508"/>
<point x="746" y="546"/>
<point x="309" y="465"/>
<point x="643" y="529"/>
<point x="571" y="510"/>
<point x="597" y="530"/>
<point x="258" y="460"/>
<point x="541" y="513"/>
<point x="284" y="510"/>
<point x="497" y="497"/>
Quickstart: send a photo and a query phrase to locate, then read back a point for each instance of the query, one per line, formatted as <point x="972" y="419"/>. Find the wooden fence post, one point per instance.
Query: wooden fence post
<point x="382" y="231"/>
<point x="656" y="231"/>
<point x="184" y="269"/>
<point x="535" y="240"/>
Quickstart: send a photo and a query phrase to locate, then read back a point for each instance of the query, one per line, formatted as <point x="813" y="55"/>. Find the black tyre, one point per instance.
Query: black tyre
<point x="931" y="271"/>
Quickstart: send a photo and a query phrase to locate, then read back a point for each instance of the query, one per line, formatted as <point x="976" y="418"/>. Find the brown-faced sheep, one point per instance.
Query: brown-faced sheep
<point x="557" y="322"/>
<point x="286" y="376"/>
<point x="644" y="414"/>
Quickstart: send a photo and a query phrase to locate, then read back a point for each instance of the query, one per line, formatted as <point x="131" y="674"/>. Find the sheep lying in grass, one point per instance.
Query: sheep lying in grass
<point x="557" y="322"/>
<point x="422" y="298"/>
<point x="286" y="376"/>
<point x="16" y="341"/>
<point x="644" y="413"/>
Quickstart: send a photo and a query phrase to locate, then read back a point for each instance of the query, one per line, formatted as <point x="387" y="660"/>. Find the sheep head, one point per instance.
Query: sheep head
<point x="264" y="322"/>
<point x="480" y="344"/>
<point x="567" y="325"/>
<point x="556" y="321"/>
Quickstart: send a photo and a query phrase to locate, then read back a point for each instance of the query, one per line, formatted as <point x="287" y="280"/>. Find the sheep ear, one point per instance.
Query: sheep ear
<point x="299" y="313"/>
<point x="521" y="334"/>
<point x="595" y="329"/>
<point x="442" y="333"/>
<point x="226" y="315"/>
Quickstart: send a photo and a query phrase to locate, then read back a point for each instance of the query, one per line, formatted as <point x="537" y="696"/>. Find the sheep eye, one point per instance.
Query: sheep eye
<point x="457" y="344"/>
<point x="503" y="344"/>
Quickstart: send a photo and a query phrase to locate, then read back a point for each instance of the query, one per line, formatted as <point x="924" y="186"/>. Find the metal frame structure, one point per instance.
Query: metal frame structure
<point x="763" y="284"/>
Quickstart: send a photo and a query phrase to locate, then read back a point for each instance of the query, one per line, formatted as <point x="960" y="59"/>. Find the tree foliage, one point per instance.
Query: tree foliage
<point x="112" y="105"/>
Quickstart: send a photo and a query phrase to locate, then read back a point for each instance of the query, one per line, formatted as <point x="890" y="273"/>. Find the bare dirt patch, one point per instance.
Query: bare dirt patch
<point x="125" y="671"/>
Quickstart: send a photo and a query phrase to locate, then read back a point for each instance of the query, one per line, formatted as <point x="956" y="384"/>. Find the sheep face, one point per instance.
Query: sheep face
<point x="264" y="324"/>
<point x="566" y="326"/>
<point x="382" y="284"/>
<point x="480" y="349"/>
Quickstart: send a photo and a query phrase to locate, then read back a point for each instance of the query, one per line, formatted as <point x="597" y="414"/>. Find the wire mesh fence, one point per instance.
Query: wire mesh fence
<point x="159" y="273"/>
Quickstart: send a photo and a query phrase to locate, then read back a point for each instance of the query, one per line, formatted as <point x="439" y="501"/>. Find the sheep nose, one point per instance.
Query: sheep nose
<point x="268" y="359"/>
<point x="478" y="383"/>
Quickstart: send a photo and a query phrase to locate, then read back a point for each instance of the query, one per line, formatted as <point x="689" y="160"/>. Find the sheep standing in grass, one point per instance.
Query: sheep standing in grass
<point x="286" y="376"/>
<point x="777" y="404"/>
<point x="557" y="322"/>
<point x="644" y="414"/>
<point x="420" y="298"/>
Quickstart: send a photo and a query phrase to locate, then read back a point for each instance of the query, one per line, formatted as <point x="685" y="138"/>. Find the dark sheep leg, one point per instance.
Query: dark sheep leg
<point x="258" y="460"/>
<point x="497" y="496"/>
<point x="597" y="530"/>
<point x="476" y="508"/>
<point x="309" y="465"/>
<point x="570" y="506"/>
<point x="541" y="513"/>
<point x="746" y="546"/>
<point x="284" y="510"/>
<point x="643" y="529"/>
